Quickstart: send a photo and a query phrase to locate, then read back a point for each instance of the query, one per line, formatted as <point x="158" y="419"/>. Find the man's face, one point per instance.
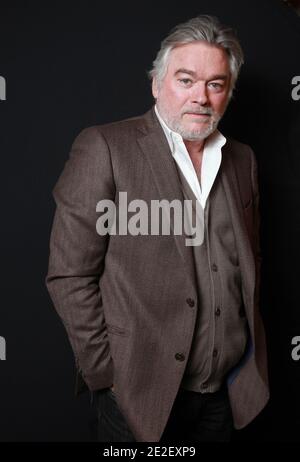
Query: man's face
<point x="195" y="90"/>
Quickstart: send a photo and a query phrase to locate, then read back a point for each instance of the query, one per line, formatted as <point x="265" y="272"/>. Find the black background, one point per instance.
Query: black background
<point x="69" y="67"/>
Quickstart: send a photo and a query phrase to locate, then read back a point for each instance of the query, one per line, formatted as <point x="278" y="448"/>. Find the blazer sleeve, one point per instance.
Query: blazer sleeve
<point x="77" y="254"/>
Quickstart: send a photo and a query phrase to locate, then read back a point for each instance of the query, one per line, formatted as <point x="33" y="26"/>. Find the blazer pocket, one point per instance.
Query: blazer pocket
<point x="116" y="330"/>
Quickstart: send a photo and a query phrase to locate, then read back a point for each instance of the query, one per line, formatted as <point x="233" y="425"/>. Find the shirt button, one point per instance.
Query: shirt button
<point x="214" y="267"/>
<point x="179" y="356"/>
<point x="204" y="385"/>
<point x="218" y="312"/>
<point x="215" y="352"/>
<point x="190" y="302"/>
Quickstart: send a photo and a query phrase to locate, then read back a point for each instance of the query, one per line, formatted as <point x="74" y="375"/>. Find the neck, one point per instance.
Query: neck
<point x="195" y="150"/>
<point x="194" y="147"/>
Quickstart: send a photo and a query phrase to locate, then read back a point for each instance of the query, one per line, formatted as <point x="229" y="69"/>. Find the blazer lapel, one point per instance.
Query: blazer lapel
<point x="155" y="147"/>
<point x="246" y="258"/>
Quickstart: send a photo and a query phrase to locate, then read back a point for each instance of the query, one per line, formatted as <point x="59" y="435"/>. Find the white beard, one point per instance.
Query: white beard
<point x="195" y="134"/>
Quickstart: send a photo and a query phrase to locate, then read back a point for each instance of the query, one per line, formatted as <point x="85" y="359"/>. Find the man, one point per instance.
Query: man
<point x="167" y="335"/>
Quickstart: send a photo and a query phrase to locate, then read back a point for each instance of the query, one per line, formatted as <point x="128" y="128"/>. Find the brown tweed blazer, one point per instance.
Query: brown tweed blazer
<point x="125" y="300"/>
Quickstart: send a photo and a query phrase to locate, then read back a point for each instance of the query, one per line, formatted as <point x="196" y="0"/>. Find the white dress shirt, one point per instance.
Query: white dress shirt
<point x="211" y="160"/>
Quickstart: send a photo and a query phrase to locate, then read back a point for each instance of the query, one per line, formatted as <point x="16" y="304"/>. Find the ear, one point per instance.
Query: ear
<point x="154" y="88"/>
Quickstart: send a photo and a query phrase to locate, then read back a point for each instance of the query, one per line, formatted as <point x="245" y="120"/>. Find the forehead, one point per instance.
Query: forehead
<point x="199" y="57"/>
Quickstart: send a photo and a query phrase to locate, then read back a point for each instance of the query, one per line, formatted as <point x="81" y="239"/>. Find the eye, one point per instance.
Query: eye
<point x="185" y="82"/>
<point x="216" y="86"/>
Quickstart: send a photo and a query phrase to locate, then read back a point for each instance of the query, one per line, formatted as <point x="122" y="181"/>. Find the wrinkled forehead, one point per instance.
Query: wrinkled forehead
<point x="200" y="58"/>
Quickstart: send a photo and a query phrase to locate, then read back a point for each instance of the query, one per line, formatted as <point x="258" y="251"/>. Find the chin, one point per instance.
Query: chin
<point x="195" y="136"/>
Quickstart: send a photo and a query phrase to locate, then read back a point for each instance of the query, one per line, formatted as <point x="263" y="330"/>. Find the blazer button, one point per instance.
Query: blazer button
<point x="190" y="302"/>
<point x="180" y="356"/>
<point x="214" y="267"/>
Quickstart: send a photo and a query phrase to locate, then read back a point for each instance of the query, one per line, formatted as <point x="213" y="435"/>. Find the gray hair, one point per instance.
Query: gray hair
<point x="201" y="28"/>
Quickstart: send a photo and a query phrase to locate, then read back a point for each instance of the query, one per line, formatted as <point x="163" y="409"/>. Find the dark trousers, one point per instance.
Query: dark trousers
<point x="194" y="417"/>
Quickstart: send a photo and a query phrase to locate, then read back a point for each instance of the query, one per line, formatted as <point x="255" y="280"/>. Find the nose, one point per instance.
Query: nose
<point x="199" y="94"/>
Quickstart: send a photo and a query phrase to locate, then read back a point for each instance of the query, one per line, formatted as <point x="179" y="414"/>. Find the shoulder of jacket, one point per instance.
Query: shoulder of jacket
<point x="113" y="131"/>
<point x="238" y="147"/>
<point x="241" y="153"/>
<point x="121" y="128"/>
